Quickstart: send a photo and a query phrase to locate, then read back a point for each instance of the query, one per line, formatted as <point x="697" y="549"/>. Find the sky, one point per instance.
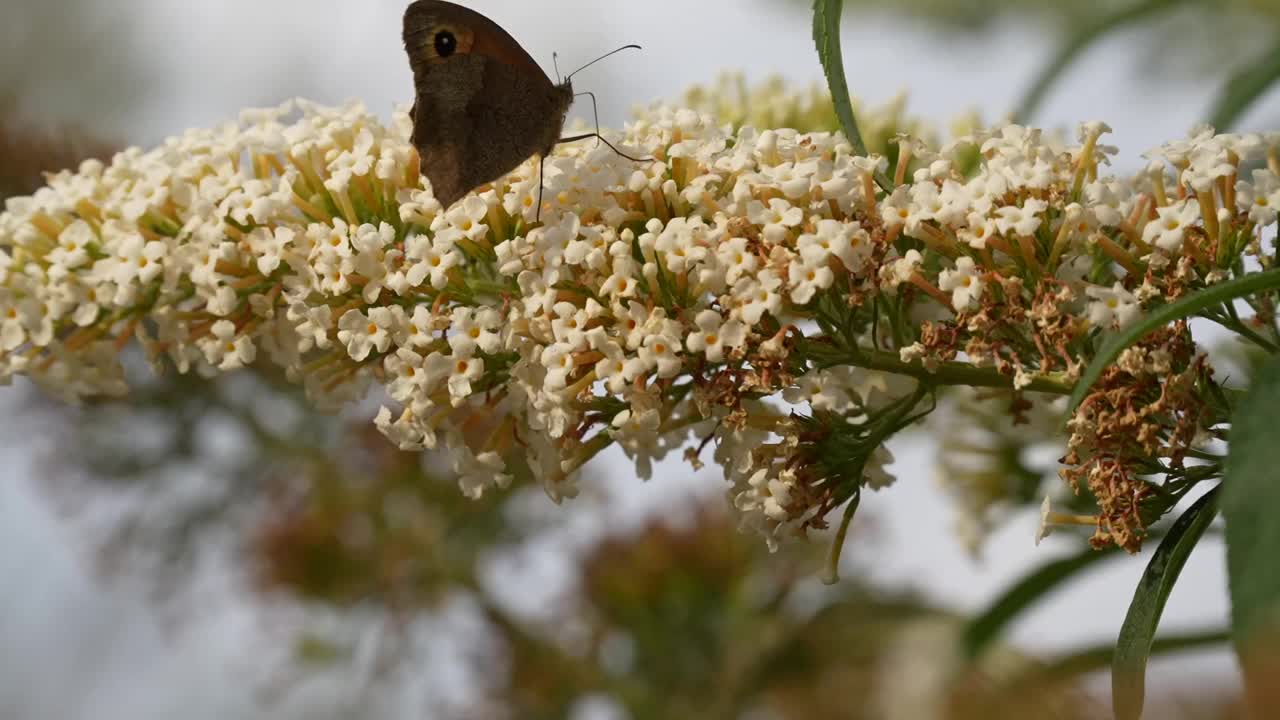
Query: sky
<point x="204" y="61"/>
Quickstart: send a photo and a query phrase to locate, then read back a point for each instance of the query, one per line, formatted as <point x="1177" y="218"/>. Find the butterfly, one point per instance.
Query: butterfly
<point x="482" y="105"/>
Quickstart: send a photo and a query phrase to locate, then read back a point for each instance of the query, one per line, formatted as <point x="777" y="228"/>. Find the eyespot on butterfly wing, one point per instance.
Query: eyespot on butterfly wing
<point x="482" y="105"/>
<point x="435" y="31"/>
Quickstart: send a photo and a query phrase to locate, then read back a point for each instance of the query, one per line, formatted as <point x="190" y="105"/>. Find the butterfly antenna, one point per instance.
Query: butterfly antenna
<point x="593" y="62"/>
<point x="555" y="63"/>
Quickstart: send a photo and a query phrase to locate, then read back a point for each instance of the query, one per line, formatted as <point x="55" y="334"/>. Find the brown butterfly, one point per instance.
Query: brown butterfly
<point x="482" y="105"/>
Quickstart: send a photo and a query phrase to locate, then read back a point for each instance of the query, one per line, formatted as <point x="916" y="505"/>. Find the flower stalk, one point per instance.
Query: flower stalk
<point x="751" y="291"/>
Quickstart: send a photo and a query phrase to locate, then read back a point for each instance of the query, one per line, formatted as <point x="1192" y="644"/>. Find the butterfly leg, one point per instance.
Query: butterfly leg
<point x="601" y="138"/>
<point x="542" y="163"/>
<point x="595" y="112"/>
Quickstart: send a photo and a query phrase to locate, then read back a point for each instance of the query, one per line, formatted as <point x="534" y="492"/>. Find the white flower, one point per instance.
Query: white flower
<point x="776" y="219"/>
<point x="559" y="363"/>
<point x="1023" y="220"/>
<point x="871" y="164"/>
<point x="632" y="322"/>
<point x="269" y="246"/>
<point x="467" y="216"/>
<point x="767" y="494"/>
<point x="902" y="270"/>
<point x="1210" y="161"/>
<point x="821" y="389"/>
<point x="362" y="333"/>
<point x="714" y="335"/>
<point x="613" y="369"/>
<point x="405" y="431"/>
<point x="569" y="323"/>
<point x="875" y="474"/>
<point x="847" y="241"/>
<point x="755" y="296"/>
<point x="737" y="259"/>
<point x="370" y="244"/>
<point x="1036" y="173"/>
<point x="1109" y="200"/>
<point x="897" y="209"/>
<point x="302" y="236"/>
<point x="410" y="383"/>
<point x="1113" y="308"/>
<point x="1079" y="220"/>
<point x="138" y="260"/>
<point x="680" y="244"/>
<point x="72" y="250"/>
<point x="456" y="373"/>
<point x="312" y="323"/>
<point x="1261" y="198"/>
<point x="1090" y="130"/>
<point x="926" y="205"/>
<point x="473" y="329"/>
<point x="226" y="348"/>
<point x="477" y="473"/>
<point x="1168" y="230"/>
<point x="463" y="372"/>
<point x="434" y="258"/>
<point x="806" y="278"/>
<point x="661" y="352"/>
<point x="420" y="328"/>
<point x="636" y="430"/>
<point x="25" y="321"/>
<point x="964" y="283"/>
<point x="977" y="230"/>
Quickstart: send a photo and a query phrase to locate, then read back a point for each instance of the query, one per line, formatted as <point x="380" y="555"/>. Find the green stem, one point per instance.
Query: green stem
<point x="957" y="373"/>
<point x="890" y="425"/>
<point x="589" y="450"/>
<point x="1237" y="326"/>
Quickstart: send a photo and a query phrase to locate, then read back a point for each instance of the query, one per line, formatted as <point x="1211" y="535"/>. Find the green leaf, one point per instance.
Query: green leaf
<point x="1080" y="41"/>
<point x="1061" y="670"/>
<point x="1185" y="307"/>
<point x="831" y="574"/>
<point x="1133" y="647"/>
<point x="1251" y="507"/>
<point x="826" y="35"/>
<point x="1244" y="88"/>
<point x="985" y="628"/>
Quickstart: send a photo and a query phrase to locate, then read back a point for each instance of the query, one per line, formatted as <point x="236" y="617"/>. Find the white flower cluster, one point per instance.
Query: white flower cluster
<point x="632" y="311"/>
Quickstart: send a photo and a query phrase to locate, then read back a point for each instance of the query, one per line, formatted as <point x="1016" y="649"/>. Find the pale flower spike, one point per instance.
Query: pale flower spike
<point x="745" y="290"/>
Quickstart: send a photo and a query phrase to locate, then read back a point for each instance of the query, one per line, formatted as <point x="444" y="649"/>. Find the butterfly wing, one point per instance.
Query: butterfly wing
<point x="474" y="33"/>
<point x="441" y="128"/>
<point x="483" y="105"/>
